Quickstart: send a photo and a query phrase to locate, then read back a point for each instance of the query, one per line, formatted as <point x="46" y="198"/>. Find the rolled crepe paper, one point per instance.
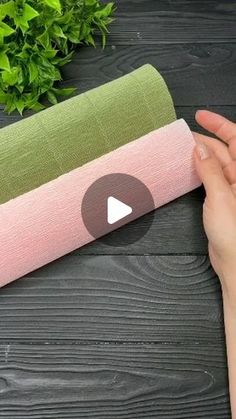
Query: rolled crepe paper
<point x="46" y="223"/>
<point x="55" y="141"/>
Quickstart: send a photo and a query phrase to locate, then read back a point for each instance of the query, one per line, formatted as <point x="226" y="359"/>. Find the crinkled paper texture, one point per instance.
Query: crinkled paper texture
<point x="55" y="141"/>
<point x="45" y="223"/>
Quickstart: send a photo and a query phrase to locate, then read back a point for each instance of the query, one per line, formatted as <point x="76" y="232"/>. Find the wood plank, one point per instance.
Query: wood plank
<point x="207" y="6"/>
<point x="113" y="381"/>
<point x="115" y="298"/>
<point x="154" y="22"/>
<point x="197" y="74"/>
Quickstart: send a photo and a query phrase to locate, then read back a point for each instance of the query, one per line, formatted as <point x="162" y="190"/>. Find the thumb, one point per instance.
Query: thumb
<point x="210" y="171"/>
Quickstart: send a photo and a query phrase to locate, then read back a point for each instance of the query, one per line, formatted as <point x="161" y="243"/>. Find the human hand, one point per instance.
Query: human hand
<point x="216" y="166"/>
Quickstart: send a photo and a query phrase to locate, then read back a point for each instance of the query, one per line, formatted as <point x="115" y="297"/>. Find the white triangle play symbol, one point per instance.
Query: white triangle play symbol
<point x="116" y="210"/>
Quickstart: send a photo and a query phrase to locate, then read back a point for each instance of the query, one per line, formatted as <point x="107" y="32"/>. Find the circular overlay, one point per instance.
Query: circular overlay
<point x="113" y="201"/>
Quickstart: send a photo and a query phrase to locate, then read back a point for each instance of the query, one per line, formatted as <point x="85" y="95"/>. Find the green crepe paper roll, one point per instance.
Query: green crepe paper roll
<point x="55" y="141"/>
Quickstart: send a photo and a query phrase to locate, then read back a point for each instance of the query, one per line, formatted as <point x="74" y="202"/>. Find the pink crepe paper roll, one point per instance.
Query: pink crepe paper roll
<point x="45" y="223"/>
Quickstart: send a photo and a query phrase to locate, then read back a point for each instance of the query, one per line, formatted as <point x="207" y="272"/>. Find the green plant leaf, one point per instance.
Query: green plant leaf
<point x="56" y="30"/>
<point x="50" y="53"/>
<point x="5" y="30"/>
<point x="22" y="19"/>
<point x="20" y="88"/>
<point x="37" y="107"/>
<point x="3" y="96"/>
<point x="7" y="9"/>
<point x="39" y="37"/>
<point x="64" y="60"/>
<point x="10" y="78"/>
<point x="67" y="91"/>
<point x="104" y="11"/>
<point x="20" y="105"/>
<point x="54" y="4"/>
<point x="33" y="71"/>
<point x="29" y="13"/>
<point x="52" y="97"/>
<point x="90" y="40"/>
<point x="10" y="101"/>
<point x="90" y="2"/>
<point x="66" y="18"/>
<point x="44" y="39"/>
<point x="4" y="61"/>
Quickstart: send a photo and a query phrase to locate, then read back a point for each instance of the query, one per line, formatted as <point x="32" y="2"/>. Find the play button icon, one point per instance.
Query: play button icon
<point x="116" y="210"/>
<point x="115" y="200"/>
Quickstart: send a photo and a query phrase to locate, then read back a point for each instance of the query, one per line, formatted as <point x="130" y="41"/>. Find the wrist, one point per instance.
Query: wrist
<point x="227" y="277"/>
<point x="228" y="295"/>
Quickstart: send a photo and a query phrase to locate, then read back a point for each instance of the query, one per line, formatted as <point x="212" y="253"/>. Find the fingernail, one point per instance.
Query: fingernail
<point x="202" y="151"/>
<point x="199" y="110"/>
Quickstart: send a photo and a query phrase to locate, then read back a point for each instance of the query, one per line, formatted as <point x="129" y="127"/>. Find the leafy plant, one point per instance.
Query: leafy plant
<point x="37" y="38"/>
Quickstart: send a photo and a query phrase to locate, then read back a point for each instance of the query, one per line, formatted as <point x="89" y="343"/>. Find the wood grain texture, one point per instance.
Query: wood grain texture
<point x="120" y="298"/>
<point x="196" y="74"/>
<point x="174" y="21"/>
<point x="131" y="337"/>
<point x="113" y="381"/>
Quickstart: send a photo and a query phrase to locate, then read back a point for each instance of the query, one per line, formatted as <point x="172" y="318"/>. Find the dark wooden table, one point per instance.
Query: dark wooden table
<point x="131" y="332"/>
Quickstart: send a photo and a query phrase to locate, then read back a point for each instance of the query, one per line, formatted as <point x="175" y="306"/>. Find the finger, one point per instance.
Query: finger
<point x="210" y="171"/>
<point x="222" y="153"/>
<point x="232" y="148"/>
<point x="216" y="124"/>
<point x="230" y="172"/>
<point x="218" y="147"/>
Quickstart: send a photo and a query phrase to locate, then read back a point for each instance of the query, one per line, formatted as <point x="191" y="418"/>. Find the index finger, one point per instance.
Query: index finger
<point x="217" y="124"/>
